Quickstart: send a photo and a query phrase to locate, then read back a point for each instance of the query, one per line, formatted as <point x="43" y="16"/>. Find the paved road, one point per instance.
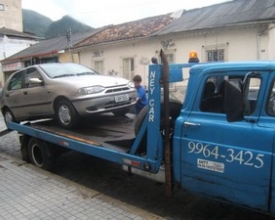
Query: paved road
<point x="108" y="178"/>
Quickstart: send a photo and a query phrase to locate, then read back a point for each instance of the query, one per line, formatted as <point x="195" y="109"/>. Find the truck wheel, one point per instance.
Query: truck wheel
<point x="174" y="110"/>
<point x="121" y="112"/>
<point x="66" y="114"/>
<point x="39" y="154"/>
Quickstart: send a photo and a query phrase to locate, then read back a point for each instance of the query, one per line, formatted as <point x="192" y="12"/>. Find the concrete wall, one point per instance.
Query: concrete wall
<point x="11" y="14"/>
<point x="271" y="41"/>
<point x="9" y="46"/>
<point x="67" y="58"/>
<point x="112" y="56"/>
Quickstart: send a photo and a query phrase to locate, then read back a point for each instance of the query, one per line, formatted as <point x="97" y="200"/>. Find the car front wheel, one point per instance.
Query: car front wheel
<point x="66" y="114"/>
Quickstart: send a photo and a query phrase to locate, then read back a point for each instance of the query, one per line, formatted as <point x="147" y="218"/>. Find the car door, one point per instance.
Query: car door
<point x="13" y="94"/>
<point x="227" y="160"/>
<point x="36" y="97"/>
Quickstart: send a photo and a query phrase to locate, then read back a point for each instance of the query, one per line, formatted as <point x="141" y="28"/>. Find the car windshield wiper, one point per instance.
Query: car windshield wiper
<point x="85" y="73"/>
<point x="64" y="75"/>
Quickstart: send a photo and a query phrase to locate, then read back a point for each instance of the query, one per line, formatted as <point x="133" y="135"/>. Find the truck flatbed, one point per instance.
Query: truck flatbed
<point x="105" y="130"/>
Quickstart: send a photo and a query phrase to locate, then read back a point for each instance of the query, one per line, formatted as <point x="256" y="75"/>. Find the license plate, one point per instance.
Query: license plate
<point x="121" y="98"/>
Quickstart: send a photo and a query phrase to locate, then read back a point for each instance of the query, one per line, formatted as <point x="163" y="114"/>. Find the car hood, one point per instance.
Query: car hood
<point x="91" y="80"/>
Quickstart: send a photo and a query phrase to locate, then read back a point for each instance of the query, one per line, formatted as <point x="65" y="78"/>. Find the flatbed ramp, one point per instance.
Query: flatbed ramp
<point x="104" y="130"/>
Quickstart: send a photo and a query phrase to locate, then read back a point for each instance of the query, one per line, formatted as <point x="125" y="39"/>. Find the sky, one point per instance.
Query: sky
<point x="99" y="13"/>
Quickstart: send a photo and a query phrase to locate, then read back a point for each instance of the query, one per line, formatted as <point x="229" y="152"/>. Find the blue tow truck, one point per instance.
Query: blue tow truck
<point x="219" y="143"/>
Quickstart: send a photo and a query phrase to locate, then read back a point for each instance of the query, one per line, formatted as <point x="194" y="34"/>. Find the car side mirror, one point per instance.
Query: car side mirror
<point x="233" y="100"/>
<point x="36" y="81"/>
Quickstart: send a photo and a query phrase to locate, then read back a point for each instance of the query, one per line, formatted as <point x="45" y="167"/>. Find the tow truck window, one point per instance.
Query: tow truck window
<point x="271" y="102"/>
<point x="213" y="95"/>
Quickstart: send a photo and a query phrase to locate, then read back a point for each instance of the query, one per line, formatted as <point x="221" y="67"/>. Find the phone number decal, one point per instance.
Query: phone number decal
<point x="242" y="157"/>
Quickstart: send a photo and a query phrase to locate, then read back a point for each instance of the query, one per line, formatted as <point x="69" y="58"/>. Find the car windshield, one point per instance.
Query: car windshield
<point x="57" y="70"/>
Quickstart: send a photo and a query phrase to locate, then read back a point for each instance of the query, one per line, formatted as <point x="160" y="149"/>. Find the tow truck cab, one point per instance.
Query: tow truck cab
<point x="223" y="144"/>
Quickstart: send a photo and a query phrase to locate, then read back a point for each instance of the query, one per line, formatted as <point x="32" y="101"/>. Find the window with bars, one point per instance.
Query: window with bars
<point x="215" y="55"/>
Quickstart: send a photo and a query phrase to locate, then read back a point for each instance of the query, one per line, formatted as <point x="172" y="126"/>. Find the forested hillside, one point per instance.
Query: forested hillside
<point x="42" y="26"/>
<point x="35" y="23"/>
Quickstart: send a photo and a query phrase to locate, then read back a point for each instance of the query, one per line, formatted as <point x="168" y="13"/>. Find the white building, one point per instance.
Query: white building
<point x="231" y="31"/>
<point x="11" y="42"/>
<point x="12" y="39"/>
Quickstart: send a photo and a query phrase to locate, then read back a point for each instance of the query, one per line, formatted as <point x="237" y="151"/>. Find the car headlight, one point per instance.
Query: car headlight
<point x="90" y="90"/>
<point x="131" y="84"/>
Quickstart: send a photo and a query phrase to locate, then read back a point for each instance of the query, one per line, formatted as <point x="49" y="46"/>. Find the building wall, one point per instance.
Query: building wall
<point x="239" y="43"/>
<point x="67" y="58"/>
<point x="11" y="46"/>
<point x="11" y="14"/>
<point x="271" y="42"/>
<point x="112" y="57"/>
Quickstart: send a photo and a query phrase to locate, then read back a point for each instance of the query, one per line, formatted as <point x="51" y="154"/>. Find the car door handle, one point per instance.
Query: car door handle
<point x="25" y="93"/>
<point x="191" y="124"/>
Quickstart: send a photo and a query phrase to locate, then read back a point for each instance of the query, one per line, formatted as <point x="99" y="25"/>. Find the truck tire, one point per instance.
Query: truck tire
<point x="66" y="114"/>
<point x="40" y="154"/>
<point x="174" y="110"/>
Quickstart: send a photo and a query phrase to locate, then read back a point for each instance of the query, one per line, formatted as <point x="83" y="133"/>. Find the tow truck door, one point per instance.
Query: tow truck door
<point x="227" y="160"/>
<point x="268" y="120"/>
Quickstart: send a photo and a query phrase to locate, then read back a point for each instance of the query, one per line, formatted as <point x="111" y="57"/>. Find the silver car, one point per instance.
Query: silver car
<point x="64" y="91"/>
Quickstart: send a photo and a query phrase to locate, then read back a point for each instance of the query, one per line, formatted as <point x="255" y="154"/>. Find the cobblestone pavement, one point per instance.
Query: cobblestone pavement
<point x="108" y="180"/>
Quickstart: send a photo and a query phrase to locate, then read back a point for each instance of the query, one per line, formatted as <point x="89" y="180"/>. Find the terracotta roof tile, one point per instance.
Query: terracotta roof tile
<point x="135" y="29"/>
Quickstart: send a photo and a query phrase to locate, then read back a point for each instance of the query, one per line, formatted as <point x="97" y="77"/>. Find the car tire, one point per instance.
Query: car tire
<point x="174" y="111"/>
<point x="8" y="116"/>
<point x="121" y="112"/>
<point x="40" y="154"/>
<point x="66" y="114"/>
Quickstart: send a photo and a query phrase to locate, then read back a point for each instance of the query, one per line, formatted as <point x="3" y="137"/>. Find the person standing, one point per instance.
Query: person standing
<point x="141" y="99"/>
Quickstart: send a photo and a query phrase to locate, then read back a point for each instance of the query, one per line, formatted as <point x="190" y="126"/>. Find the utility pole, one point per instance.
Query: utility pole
<point x="68" y="36"/>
